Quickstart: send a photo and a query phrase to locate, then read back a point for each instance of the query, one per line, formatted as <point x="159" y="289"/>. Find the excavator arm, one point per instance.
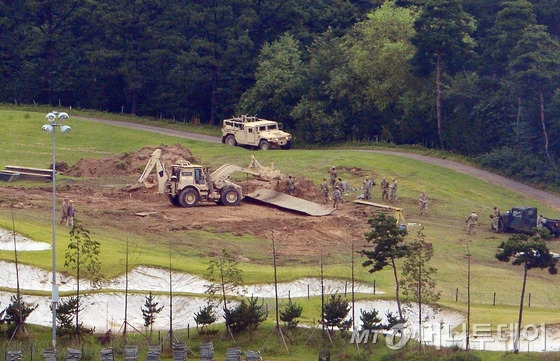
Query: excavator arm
<point x="162" y="176"/>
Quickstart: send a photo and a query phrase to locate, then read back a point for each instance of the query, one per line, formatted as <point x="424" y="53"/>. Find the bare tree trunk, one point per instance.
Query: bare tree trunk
<point x="518" y="335"/>
<point x="420" y="304"/>
<point x="397" y="288"/>
<point x="78" y="296"/>
<point x="438" y="100"/>
<point x="543" y="124"/>
<point x="517" y="120"/>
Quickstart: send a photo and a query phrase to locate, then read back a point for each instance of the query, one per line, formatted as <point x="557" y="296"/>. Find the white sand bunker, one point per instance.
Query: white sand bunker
<point x="157" y="279"/>
<point x="22" y="243"/>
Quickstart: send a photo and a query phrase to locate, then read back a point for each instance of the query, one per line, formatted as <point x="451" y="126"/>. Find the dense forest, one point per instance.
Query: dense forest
<point x="475" y="77"/>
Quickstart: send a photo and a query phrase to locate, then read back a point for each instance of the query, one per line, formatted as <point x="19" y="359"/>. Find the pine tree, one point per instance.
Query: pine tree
<point x="388" y="240"/>
<point x="291" y="313"/>
<point x="335" y="313"/>
<point x="150" y="311"/>
<point x="531" y="253"/>
<point x="205" y="317"/>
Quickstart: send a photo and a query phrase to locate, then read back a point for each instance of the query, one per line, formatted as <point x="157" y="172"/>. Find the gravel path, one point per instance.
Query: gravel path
<point x="544" y="197"/>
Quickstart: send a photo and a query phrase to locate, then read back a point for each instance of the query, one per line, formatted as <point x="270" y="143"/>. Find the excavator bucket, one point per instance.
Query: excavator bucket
<point x="263" y="173"/>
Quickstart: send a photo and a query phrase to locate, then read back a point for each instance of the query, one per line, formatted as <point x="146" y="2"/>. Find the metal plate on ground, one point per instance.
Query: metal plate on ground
<point x="379" y="205"/>
<point x="289" y="202"/>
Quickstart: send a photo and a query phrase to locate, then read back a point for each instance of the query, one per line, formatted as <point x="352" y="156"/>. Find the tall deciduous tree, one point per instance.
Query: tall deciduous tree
<point x="278" y="84"/>
<point x="381" y="53"/>
<point x="82" y="256"/>
<point x="418" y="278"/>
<point x="529" y="253"/>
<point x="443" y="42"/>
<point x="224" y="275"/>
<point x="534" y="67"/>
<point x="388" y="241"/>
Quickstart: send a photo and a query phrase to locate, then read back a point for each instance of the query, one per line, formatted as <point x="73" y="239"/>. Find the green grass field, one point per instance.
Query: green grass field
<point x="452" y="196"/>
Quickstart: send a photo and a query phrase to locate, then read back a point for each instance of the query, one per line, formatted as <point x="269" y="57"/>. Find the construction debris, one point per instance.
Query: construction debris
<point x="29" y="173"/>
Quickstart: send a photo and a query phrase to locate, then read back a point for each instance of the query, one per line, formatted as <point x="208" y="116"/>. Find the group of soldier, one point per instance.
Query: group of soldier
<point x="472" y="221"/>
<point x="388" y="190"/>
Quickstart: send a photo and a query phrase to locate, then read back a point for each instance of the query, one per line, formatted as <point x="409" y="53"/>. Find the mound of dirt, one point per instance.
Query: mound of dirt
<point x="128" y="163"/>
<point x="304" y="187"/>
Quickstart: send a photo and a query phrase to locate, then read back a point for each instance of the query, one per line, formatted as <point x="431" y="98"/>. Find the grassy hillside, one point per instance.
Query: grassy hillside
<point x="452" y="196"/>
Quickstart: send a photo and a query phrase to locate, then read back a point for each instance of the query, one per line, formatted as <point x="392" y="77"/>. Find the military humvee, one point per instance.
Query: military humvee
<point x="255" y="132"/>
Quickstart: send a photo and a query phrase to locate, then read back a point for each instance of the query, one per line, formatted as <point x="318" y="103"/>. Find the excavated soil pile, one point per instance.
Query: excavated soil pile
<point x="304" y="187"/>
<point x="128" y="163"/>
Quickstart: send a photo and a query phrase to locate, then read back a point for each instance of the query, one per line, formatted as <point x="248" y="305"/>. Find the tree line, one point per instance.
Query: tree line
<point x="473" y="77"/>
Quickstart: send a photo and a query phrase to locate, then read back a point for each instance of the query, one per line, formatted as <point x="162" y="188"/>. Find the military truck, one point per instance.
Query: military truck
<point x="524" y="219"/>
<point x="255" y="132"/>
<point x="188" y="183"/>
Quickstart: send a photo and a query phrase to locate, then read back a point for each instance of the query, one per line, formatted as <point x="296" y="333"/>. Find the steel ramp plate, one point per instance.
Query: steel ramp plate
<point x="289" y="202"/>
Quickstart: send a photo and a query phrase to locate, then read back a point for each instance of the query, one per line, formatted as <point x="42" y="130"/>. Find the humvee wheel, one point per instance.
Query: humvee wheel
<point x="230" y="140"/>
<point x="230" y="196"/>
<point x="265" y="145"/>
<point x="501" y="226"/>
<point x="189" y="197"/>
<point x="287" y="146"/>
<point x="174" y="200"/>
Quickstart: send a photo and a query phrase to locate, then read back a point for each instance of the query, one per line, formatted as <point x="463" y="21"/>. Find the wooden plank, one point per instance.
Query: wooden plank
<point x="28" y="169"/>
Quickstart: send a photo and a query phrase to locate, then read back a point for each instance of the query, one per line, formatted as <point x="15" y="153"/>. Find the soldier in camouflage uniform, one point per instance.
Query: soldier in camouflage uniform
<point x="472" y="221"/>
<point x="325" y="190"/>
<point x="393" y="195"/>
<point x="290" y="186"/>
<point x="423" y="203"/>
<point x="332" y="173"/>
<point x="366" y="187"/>
<point x="384" y="189"/>
<point x="337" y="197"/>
<point x="496" y="219"/>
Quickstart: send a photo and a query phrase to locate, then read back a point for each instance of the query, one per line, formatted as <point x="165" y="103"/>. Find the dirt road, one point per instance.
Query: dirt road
<point x="542" y="196"/>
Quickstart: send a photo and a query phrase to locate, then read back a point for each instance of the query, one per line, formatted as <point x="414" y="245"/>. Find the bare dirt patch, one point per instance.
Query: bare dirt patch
<point x="104" y="198"/>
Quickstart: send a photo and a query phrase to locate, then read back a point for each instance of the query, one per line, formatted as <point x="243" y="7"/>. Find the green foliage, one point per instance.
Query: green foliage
<point x="291" y="313"/>
<point x="205" y="317"/>
<point x="66" y="311"/>
<point x="370" y="320"/>
<point x="150" y="311"/>
<point x="388" y="239"/>
<point x="531" y="253"/>
<point x="417" y="277"/>
<point x="247" y="315"/>
<point x="521" y="165"/>
<point x="393" y="319"/>
<point x="224" y="274"/>
<point x="278" y="81"/>
<point x="335" y="312"/>
<point x="18" y="311"/>
<point x="82" y="255"/>
<point x="443" y="29"/>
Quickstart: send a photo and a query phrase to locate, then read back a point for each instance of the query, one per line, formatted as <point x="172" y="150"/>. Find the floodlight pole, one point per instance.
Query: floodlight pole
<point x="54" y="286"/>
<point x="53" y="118"/>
